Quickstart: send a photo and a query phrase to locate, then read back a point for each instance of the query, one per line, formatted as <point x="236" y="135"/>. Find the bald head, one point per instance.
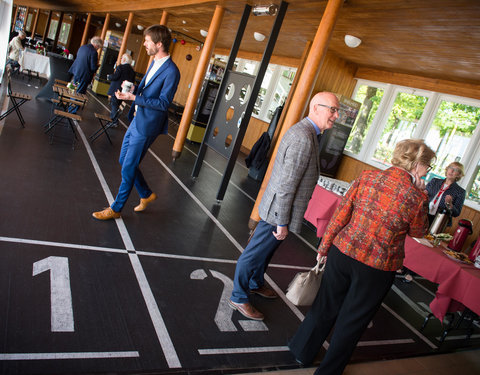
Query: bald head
<point x="324" y="110"/>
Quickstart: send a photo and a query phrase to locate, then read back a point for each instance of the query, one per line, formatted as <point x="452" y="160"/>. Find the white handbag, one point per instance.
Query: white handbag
<point x="304" y="286"/>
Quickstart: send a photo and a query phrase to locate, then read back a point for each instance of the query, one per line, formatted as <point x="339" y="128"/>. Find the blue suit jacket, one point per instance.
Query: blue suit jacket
<point x="85" y="65"/>
<point x="153" y="100"/>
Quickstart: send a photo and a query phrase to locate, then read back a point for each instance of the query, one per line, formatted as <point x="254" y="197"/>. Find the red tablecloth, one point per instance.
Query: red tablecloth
<point x="456" y="281"/>
<point x="321" y="207"/>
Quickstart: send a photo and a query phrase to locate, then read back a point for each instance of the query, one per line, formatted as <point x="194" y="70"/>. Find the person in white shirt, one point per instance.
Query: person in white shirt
<point x="14" y="48"/>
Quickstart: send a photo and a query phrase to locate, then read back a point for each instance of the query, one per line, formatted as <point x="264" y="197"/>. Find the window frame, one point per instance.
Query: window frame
<point x="471" y="157"/>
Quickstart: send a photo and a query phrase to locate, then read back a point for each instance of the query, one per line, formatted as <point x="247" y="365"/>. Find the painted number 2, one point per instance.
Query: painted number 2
<point x="60" y="294"/>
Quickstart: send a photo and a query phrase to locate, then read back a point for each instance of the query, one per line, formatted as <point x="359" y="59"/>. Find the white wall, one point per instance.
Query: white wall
<point x="6" y="7"/>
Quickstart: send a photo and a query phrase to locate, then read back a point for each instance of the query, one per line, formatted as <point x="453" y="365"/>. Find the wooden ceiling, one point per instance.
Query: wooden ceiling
<point x="431" y="38"/>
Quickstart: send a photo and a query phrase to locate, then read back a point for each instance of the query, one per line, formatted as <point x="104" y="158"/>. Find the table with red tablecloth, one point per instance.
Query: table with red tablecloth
<point x="321" y="207"/>
<point x="458" y="283"/>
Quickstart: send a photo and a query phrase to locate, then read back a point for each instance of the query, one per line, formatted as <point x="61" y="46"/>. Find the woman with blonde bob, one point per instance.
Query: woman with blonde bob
<point x="364" y="242"/>
<point x="445" y="193"/>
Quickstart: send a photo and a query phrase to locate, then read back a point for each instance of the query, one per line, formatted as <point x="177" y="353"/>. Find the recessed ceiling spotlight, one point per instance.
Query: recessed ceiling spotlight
<point x="140" y="27"/>
<point x="203" y="33"/>
<point x="259" y="37"/>
<point x="352" y="41"/>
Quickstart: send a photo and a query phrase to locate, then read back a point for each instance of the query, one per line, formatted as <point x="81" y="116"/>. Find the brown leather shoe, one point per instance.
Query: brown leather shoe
<point x="265" y="292"/>
<point x="106" y="214"/>
<point x="247" y="310"/>
<point x="144" y="202"/>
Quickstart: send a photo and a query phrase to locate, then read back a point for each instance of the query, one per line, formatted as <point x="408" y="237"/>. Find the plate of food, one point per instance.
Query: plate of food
<point x="459" y="257"/>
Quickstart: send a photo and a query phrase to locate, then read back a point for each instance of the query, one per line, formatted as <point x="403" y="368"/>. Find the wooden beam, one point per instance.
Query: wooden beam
<point x="163" y="21"/>
<point x="468" y="90"/>
<point x="47" y="25"/>
<point x="35" y="22"/>
<point x="85" y="30"/>
<point x="301" y="96"/>
<point x="105" y="26"/>
<point x="197" y="81"/>
<point x="57" y="32"/>
<point x="127" y="32"/>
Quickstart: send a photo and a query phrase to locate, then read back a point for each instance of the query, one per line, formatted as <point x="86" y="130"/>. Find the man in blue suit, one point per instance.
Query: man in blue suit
<point x="149" y="118"/>
<point x="86" y="64"/>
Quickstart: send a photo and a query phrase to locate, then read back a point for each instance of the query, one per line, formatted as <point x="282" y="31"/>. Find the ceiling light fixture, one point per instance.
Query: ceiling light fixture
<point x="259" y="37"/>
<point x="352" y="41"/>
<point x="118" y="24"/>
<point x="265" y="10"/>
<point x="140" y="27"/>
<point x="203" y="33"/>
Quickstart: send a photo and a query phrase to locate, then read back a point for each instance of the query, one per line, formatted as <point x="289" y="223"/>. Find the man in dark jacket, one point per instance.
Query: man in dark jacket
<point x="86" y="64"/>
<point x="124" y="72"/>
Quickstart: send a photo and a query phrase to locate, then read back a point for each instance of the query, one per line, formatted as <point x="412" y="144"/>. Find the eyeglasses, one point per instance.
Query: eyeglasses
<point x="429" y="168"/>
<point x="455" y="169"/>
<point x="331" y="108"/>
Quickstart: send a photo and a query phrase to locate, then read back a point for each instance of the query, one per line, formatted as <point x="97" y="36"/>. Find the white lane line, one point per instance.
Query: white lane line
<point x="61" y="244"/>
<point x="409" y="302"/>
<point x="274" y="286"/>
<point x="152" y="307"/>
<point x="263" y="349"/>
<point x="386" y="342"/>
<point x="270" y="349"/>
<point x="409" y="326"/>
<point x="139" y="252"/>
<point x="72" y="355"/>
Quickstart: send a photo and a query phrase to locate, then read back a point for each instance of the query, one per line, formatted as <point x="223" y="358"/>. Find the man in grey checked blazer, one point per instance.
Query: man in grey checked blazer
<point x="284" y="201"/>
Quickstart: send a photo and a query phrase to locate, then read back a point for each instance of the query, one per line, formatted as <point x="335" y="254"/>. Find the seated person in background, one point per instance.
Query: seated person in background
<point x="124" y="72"/>
<point x="446" y="193"/>
<point x="14" y="48"/>
<point x="443" y="193"/>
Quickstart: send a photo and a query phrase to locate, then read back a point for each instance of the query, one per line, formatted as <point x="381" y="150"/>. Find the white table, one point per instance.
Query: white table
<point x="36" y="63"/>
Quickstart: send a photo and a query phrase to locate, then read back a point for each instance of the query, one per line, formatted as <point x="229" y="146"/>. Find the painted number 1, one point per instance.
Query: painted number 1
<point x="60" y="294"/>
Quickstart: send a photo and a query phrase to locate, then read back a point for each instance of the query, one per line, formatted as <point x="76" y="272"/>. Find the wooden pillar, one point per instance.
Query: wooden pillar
<point x="35" y="22"/>
<point x="15" y="15"/>
<point x="163" y="21"/>
<point x="306" y="82"/>
<point x="105" y="26"/>
<point x="85" y="30"/>
<point x="57" y="33"/>
<point x="104" y="31"/>
<point x="197" y="81"/>
<point x="47" y="25"/>
<point x="128" y="29"/>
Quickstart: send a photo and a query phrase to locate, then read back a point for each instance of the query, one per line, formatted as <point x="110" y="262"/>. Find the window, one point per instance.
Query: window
<point x="401" y="124"/>
<point x="274" y="89"/>
<point x="53" y="29"/>
<point x="451" y="133"/>
<point x="64" y="33"/>
<point x="370" y="97"/>
<point x="449" y="125"/>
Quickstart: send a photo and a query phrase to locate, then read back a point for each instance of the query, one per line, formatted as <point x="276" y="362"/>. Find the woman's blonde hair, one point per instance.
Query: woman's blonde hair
<point x="458" y="165"/>
<point x="409" y="152"/>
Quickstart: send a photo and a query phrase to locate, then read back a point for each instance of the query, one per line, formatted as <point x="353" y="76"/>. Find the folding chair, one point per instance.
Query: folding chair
<point x="58" y="117"/>
<point x="16" y="98"/>
<point x="106" y="123"/>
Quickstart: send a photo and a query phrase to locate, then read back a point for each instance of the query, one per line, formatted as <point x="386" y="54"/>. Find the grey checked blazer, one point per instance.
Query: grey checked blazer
<point x="294" y="176"/>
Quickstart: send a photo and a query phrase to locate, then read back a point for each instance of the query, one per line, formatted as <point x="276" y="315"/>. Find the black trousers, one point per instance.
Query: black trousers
<point x="350" y="294"/>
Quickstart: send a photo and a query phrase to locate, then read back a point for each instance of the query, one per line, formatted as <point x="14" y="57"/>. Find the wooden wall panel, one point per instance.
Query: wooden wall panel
<point x="336" y="75"/>
<point x="468" y="90"/>
<point x="187" y="68"/>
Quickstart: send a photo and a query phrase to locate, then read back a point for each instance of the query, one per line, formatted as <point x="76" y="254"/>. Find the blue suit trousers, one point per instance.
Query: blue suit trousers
<point x="254" y="261"/>
<point x="134" y="148"/>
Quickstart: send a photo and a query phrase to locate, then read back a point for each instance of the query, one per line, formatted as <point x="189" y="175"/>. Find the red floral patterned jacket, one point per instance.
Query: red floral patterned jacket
<point x="371" y="222"/>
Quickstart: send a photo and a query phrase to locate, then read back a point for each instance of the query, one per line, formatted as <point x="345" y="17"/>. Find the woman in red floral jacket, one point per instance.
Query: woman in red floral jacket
<point x="365" y="246"/>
